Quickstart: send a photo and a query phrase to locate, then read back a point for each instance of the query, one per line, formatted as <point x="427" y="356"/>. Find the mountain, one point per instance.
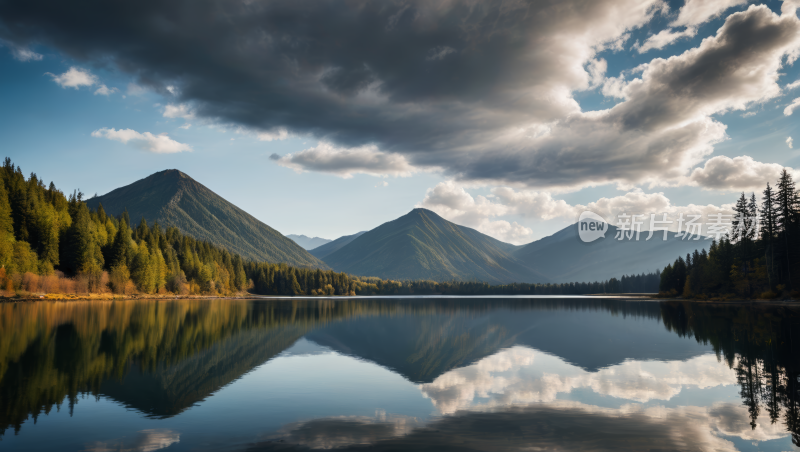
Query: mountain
<point x="423" y="245"/>
<point x="172" y="198"/>
<point x="308" y="243"/>
<point x="423" y="347"/>
<point x="563" y="257"/>
<point x="321" y="251"/>
<point x="170" y="389"/>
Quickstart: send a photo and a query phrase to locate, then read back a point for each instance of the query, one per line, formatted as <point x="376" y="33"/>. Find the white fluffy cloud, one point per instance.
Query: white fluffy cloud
<point x="103" y="90"/>
<point x="664" y="38"/>
<point x="791" y="107"/>
<point x="74" y="78"/>
<point x="738" y="173"/>
<point x="345" y="162"/>
<point x="697" y="12"/>
<point x="789" y="142"/>
<point x="159" y="144"/>
<point x="664" y="126"/>
<point x="453" y="202"/>
<point x="178" y="111"/>
<point x="692" y="14"/>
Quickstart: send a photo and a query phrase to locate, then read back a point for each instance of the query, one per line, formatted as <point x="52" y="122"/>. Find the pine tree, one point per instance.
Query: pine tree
<point x="81" y="250"/>
<point x="142" y="272"/>
<point x="240" y="277"/>
<point x="752" y="217"/>
<point x="6" y="221"/>
<point x="786" y="203"/>
<point x="120" y="248"/>
<point x="158" y="269"/>
<point x="6" y="229"/>
<point x="768" y="229"/>
<point x="101" y="213"/>
<point x="293" y="285"/>
<point x="125" y="218"/>
<point x="739" y="223"/>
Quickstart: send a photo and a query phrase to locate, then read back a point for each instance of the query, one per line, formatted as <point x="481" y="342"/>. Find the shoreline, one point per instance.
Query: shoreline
<point x="240" y="296"/>
<point x="113" y="297"/>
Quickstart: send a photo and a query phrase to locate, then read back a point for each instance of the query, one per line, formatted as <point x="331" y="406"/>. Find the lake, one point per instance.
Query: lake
<point x="399" y="374"/>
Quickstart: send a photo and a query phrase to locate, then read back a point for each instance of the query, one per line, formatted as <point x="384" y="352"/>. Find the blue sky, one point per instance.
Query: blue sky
<point x="400" y="136"/>
<point x="47" y="130"/>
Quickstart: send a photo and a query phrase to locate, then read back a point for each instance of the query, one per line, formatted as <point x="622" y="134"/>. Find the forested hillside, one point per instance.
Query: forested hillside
<point x="760" y="258"/>
<point x="172" y="198"/>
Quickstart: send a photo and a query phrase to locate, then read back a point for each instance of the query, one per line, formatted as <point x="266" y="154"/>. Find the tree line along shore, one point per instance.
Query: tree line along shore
<point x="759" y="258"/>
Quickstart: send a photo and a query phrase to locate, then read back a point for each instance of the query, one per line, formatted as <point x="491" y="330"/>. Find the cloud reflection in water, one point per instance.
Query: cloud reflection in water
<point x="509" y="401"/>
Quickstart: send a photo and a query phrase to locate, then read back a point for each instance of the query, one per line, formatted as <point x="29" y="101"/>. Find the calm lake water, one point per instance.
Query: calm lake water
<point x="399" y="374"/>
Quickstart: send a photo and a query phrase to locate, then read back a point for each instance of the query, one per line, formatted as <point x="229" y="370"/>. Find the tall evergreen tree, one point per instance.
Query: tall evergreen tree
<point x="81" y="250"/>
<point x="786" y="203"/>
<point x="768" y="229"/>
<point x="739" y="223"/>
<point x="6" y="229"/>
<point x="121" y="247"/>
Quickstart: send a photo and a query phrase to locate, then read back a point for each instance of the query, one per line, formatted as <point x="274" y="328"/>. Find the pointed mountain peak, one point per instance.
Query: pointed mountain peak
<point x="423" y="245"/>
<point x="422" y="213"/>
<point x="172" y="198"/>
<point x="170" y="174"/>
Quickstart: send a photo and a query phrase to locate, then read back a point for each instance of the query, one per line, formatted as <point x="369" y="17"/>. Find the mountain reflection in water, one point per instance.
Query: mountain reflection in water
<point x="498" y="374"/>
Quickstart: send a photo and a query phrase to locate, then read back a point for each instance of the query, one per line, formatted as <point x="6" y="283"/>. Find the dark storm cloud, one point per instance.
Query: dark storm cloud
<point x="301" y="64"/>
<point x="482" y="90"/>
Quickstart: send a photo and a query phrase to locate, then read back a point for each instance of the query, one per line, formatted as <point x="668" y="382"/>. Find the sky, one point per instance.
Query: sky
<point x="326" y="118"/>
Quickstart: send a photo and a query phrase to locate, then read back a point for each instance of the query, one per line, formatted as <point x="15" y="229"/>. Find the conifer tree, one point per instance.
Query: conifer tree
<point x="739" y="223"/>
<point x="121" y="246"/>
<point x="6" y="229"/>
<point x="158" y="269"/>
<point x="786" y="214"/>
<point x="125" y="218"/>
<point x="752" y="217"/>
<point x="6" y="222"/>
<point x="768" y="228"/>
<point x="101" y="213"/>
<point x="81" y="250"/>
<point x="142" y="272"/>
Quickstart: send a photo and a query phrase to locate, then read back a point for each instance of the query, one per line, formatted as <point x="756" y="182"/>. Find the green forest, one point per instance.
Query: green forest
<point x="53" y="243"/>
<point x="757" y="259"/>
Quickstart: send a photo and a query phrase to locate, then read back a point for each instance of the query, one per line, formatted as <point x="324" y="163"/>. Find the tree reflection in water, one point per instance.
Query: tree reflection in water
<point x="163" y="357"/>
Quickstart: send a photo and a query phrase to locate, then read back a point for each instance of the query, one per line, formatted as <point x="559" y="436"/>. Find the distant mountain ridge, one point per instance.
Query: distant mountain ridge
<point x="423" y="245"/>
<point x="172" y="198"/>
<point x="563" y="257"/>
<point x="321" y="251"/>
<point x="308" y="243"/>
